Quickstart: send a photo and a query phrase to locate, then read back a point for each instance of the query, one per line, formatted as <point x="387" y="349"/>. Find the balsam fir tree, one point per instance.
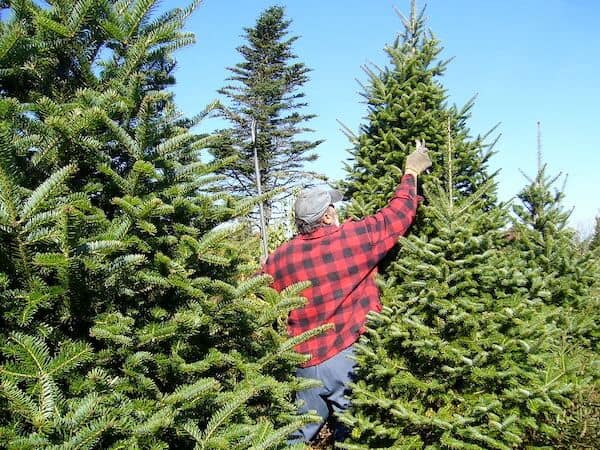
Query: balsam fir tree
<point x="125" y="321"/>
<point x="457" y="357"/>
<point x="542" y="239"/>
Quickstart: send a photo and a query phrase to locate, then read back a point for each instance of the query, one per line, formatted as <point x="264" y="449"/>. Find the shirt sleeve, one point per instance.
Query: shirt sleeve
<point x="392" y="221"/>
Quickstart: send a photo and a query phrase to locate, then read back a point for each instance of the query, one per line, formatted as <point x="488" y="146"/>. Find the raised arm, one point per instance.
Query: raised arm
<point x="389" y="223"/>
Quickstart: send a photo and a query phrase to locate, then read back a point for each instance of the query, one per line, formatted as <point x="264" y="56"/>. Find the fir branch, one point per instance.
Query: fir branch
<point x="123" y="183"/>
<point x="88" y="436"/>
<point x="71" y="355"/>
<point x="47" y="396"/>
<point x="48" y="188"/>
<point x="292" y="342"/>
<point x="123" y="137"/>
<point x="31" y="351"/>
<point x="138" y="12"/>
<point x="241" y="396"/>
<point x="189" y="394"/>
<point x="42" y="20"/>
<point x="161" y="419"/>
<point x="20" y="402"/>
<point x="276" y="437"/>
<point x="9" y="37"/>
<point x="77" y="15"/>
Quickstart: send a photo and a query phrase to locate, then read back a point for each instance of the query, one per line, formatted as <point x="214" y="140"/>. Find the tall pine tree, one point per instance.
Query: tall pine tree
<point x="545" y="241"/>
<point x="265" y="104"/>
<point x="458" y="356"/>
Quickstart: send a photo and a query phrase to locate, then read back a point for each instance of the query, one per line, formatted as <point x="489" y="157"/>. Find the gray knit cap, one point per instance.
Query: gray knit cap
<point x="312" y="203"/>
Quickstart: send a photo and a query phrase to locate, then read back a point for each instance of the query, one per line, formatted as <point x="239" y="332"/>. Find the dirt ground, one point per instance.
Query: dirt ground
<point x="325" y="439"/>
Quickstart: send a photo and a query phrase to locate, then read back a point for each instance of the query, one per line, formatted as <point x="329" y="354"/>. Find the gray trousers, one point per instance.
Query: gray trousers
<point x="335" y="374"/>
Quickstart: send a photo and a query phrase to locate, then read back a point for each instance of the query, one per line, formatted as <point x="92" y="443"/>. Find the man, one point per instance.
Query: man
<point x="340" y="262"/>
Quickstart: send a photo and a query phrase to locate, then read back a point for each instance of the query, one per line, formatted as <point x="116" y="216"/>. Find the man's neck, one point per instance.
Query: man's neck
<point x="411" y="172"/>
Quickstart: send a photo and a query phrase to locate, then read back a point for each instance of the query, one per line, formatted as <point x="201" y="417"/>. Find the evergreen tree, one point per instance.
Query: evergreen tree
<point x="127" y="320"/>
<point x="265" y="112"/>
<point x="460" y="355"/>
<point x="406" y="101"/>
<point x="457" y="357"/>
<point x="543" y="240"/>
<point x="54" y="56"/>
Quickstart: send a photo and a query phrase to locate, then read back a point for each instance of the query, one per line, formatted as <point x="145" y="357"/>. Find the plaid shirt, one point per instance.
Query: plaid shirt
<point x="341" y="263"/>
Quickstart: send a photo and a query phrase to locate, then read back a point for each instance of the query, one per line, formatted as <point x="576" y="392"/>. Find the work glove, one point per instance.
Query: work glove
<point x="418" y="161"/>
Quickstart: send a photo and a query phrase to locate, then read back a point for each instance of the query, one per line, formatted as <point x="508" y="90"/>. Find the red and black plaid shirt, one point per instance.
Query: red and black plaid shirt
<point x="341" y="263"/>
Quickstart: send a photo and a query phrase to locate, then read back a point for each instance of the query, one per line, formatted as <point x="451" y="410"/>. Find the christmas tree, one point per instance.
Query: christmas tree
<point x="542" y="239"/>
<point x="546" y="243"/>
<point x="127" y="321"/>
<point x="457" y="357"/>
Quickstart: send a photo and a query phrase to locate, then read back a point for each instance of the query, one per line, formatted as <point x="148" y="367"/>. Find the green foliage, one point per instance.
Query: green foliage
<point x="579" y="426"/>
<point x="127" y="315"/>
<point x="265" y="100"/>
<point x="542" y="239"/>
<point x="128" y="318"/>
<point x="406" y="101"/>
<point x="465" y="353"/>
<point x="458" y="356"/>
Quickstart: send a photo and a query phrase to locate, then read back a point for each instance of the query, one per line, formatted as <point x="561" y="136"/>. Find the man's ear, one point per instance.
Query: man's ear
<point x="329" y="216"/>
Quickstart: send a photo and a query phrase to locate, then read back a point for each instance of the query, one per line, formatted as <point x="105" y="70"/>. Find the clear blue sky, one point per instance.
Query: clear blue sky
<point x="527" y="60"/>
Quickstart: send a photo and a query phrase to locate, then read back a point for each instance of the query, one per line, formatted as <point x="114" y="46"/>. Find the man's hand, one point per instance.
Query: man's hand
<point x="418" y="161"/>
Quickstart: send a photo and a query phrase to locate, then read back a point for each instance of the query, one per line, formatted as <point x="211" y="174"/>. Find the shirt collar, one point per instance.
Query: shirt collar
<point x="320" y="232"/>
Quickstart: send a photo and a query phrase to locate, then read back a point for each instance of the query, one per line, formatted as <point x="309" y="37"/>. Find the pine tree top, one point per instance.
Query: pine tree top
<point x="407" y="101"/>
